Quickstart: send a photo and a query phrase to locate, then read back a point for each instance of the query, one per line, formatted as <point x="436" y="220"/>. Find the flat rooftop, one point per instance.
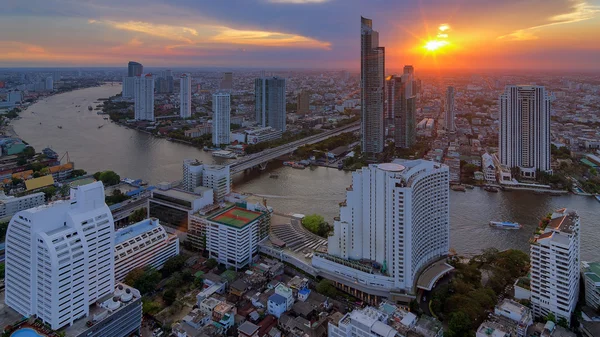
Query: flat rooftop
<point x="236" y="217"/>
<point x="178" y="194"/>
<point x="432" y="274"/>
<point x="134" y="230"/>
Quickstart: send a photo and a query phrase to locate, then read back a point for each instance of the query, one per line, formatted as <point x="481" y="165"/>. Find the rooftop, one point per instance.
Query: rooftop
<point x="277" y="299"/>
<point x="136" y="229"/>
<point x="236" y="217"/>
<point x="35" y="183"/>
<point x="178" y="194"/>
<point x="564" y="223"/>
<point x="248" y="328"/>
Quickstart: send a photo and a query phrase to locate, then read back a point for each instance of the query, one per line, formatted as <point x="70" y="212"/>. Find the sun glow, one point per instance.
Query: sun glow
<point x="434" y="45"/>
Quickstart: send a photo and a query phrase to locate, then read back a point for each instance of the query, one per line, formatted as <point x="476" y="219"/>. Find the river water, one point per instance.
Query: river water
<point x="135" y="154"/>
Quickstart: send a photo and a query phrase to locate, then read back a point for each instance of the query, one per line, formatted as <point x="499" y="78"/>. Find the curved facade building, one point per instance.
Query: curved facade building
<point x="394" y="222"/>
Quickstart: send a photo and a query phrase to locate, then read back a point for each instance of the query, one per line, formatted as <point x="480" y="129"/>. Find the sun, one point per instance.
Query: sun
<point x="433" y="45"/>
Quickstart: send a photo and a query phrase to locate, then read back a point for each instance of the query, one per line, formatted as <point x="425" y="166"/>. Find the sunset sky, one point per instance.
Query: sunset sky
<point x="466" y="34"/>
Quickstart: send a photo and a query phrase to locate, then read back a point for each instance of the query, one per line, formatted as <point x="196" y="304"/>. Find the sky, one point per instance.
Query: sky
<point x="466" y="34"/>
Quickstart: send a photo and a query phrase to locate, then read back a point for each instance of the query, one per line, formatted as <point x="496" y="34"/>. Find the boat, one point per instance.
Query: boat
<point x="100" y="126"/>
<point x="505" y="225"/>
<point x="491" y="189"/>
<point x="210" y="149"/>
<point x="90" y="108"/>
<point x="273" y="175"/>
<point x="288" y="163"/>
<point x="298" y="166"/>
<point x="459" y="188"/>
<point x="597" y="197"/>
<point x="470" y="187"/>
<point x="224" y="154"/>
<point x="59" y="126"/>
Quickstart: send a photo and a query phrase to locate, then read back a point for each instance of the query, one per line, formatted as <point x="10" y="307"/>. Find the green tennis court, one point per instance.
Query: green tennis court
<point x="237" y="217"/>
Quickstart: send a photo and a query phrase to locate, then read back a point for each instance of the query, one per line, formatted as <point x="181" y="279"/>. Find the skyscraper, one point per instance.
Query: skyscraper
<point x="144" y="98"/>
<point x="372" y="83"/>
<point x="134" y="69"/>
<point x="221" y="118"/>
<point x="269" y="96"/>
<point x="525" y="129"/>
<point x="192" y="174"/>
<point x="449" y="109"/>
<point x="227" y="81"/>
<point x="164" y="82"/>
<point x="185" y="96"/>
<point x="555" y="266"/>
<point x="303" y="104"/>
<point x="396" y="215"/>
<point x="49" y="83"/>
<point x="60" y="258"/>
<point x="401" y="107"/>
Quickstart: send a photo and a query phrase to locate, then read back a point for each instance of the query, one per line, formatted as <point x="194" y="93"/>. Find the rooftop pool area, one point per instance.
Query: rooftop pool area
<point x="26" y="332"/>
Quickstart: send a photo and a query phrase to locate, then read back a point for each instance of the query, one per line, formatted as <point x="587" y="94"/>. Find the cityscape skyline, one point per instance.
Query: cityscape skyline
<point x="442" y="35"/>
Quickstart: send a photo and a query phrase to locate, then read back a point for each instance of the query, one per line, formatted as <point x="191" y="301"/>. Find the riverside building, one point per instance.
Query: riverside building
<point x="393" y="227"/>
<point x="144" y="98"/>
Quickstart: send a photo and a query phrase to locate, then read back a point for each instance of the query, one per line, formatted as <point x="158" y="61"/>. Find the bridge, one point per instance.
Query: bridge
<point x="260" y="159"/>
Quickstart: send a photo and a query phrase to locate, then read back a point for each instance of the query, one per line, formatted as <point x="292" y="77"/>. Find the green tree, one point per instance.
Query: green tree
<point x="551" y="317"/>
<point x="21" y="161"/>
<point x="211" y="263"/>
<point x="138" y="215"/>
<point x="49" y="192"/>
<point x="149" y="306"/>
<point x="28" y="152"/>
<point x="97" y="175"/>
<point x="198" y="282"/>
<point x="64" y="190"/>
<point x="169" y="296"/>
<point x="2" y="267"/>
<point x="143" y="279"/>
<point x="79" y="173"/>
<point x="109" y="178"/>
<point x="36" y="174"/>
<point x="16" y="181"/>
<point x="173" y="264"/>
<point x="325" y="287"/>
<point x="37" y="167"/>
<point x="459" y="325"/>
<point x="314" y="223"/>
<point x="3" y="228"/>
<point x="563" y="322"/>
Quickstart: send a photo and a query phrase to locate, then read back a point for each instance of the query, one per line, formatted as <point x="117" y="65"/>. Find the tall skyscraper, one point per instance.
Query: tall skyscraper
<point x="60" y="258"/>
<point x="144" y="98"/>
<point x="303" y="104"/>
<point x="221" y="118"/>
<point x="185" y="96"/>
<point x="525" y="129"/>
<point x="395" y="214"/>
<point x="227" y="81"/>
<point x="401" y="107"/>
<point x="269" y="97"/>
<point x="449" y="109"/>
<point x="164" y="82"/>
<point x="49" y="83"/>
<point x="134" y="69"/>
<point x="555" y="266"/>
<point x="372" y="83"/>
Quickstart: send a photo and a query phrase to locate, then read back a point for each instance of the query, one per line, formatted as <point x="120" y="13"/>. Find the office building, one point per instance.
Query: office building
<point x="60" y="257"/>
<point x="401" y="107"/>
<point x="164" y="82"/>
<point x="555" y="265"/>
<point x="227" y="81"/>
<point x="14" y="97"/>
<point x="269" y="97"/>
<point x="303" y="103"/>
<point x="174" y="206"/>
<point x="525" y="129"/>
<point x="192" y="174"/>
<point x="185" y="96"/>
<point x="591" y="277"/>
<point x="49" y="84"/>
<point x="10" y="205"/>
<point x="134" y="69"/>
<point x="395" y="215"/>
<point x="143" y="244"/>
<point x="449" y="110"/>
<point x="214" y="177"/>
<point x="221" y="104"/>
<point x="128" y="90"/>
<point x="144" y="98"/>
<point x="372" y="82"/>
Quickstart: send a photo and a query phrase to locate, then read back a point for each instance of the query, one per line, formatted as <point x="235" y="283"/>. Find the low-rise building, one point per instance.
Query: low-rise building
<point x="286" y="293"/>
<point x="518" y="313"/>
<point x="248" y="329"/>
<point x="143" y="244"/>
<point x="276" y="305"/>
<point x="208" y="305"/>
<point x="224" y="315"/>
<point x="491" y="329"/>
<point x="174" y="206"/>
<point x="591" y="277"/>
<point x="10" y="205"/>
<point x="488" y="167"/>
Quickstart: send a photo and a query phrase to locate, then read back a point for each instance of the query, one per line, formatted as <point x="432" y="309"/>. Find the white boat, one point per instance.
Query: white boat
<point x="506" y="225"/>
<point x="224" y="154"/>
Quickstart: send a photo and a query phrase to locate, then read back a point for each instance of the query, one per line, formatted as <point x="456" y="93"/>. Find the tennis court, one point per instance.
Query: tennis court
<point x="237" y="217"/>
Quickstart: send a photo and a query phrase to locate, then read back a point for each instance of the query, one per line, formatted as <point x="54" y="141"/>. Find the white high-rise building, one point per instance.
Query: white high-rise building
<point x="215" y="177"/>
<point x="144" y="98"/>
<point x="60" y="257"/>
<point x="49" y="83"/>
<point x="555" y="266"/>
<point x="221" y="118"/>
<point x="10" y="205"/>
<point x="449" y="118"/>
<point x="15" y="96"/>
<point x="396" y="215"/>
<point x="185" y="96"/>
<point x="128" y="87"/>
<point x="269" y="98"/>
<point x="192" y="174"/>
<point x="525" y="129"/>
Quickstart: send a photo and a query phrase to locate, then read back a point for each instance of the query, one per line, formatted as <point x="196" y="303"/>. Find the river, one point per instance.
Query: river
<point x="138" y="155"/>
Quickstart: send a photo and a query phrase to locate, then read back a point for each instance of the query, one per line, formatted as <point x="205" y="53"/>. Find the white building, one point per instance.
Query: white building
<point x="185" y="96"/>
<point x="555" y="266"/>
<point x="489" y="168"/>
<point x="367" y="322"/>
<point x="276" y="305"/>
<point x="15" y="96"/>
<point x="516" y="312"/>
<point x="10" y="205"/>
<point x="449" y="109"/>
<point x="287" y="294"/>
<point x="221" y="118"/>
<point x="145" y="243"/>
<point x="269" y="97"/>
<point x="143" y="92"/>
<point x="192" y="174"/>
<point x="128" y="90"/>
<point x="491" y="329"/>
<point x="60" y="257"/>
<point x="49" y="83"/>
<point x="395" y="215"/>
<point x="525" y="129"/>
<point x="218" y="178"/>
<point x="591" y="277"/>
<point x="233" y="234"/>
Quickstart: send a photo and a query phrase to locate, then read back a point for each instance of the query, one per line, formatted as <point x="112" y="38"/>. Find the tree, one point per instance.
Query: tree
<point x="325" y="287"/>
<point x="211" y="263"/>
<point x="173" y="265"/>
<point x="79" y="173"/>
<point x="459" y="325"/>
<point x="64" y="190"/>
<point x="16" y="181"/>
<point x="198" y="282"/>
<point x="97" y="175"/>
<point x="314" y="223"/>
<point x="109" y="178"/>
<point x="551" y="317"/>
<point x="21" y="161"/>
<point x="2" y="271"/>
<point x="138" y="215"/>
<point x="563" y="322"/>
<point x="169" y="296"/>
<point x="36" y="174"/>
<point x="143" y="279"/>
<point x="28" y="152"/>
<point x="3" y="228"/>
<point x="49" y="192"/>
